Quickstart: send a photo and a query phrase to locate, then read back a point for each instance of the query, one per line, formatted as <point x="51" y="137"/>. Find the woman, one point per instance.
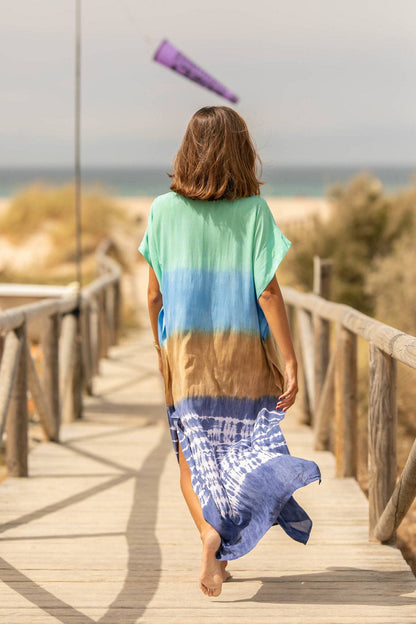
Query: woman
<point x="216" y="311"/>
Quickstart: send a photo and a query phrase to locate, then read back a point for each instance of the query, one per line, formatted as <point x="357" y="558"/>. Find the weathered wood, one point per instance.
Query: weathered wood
<point x="303" y="408"/>
<point x="86" y="348"/>
<point x="403" y="496"/>
<point x="321" y="327"/>
<point x="102" y="325"/>
<point x="346" y="403"/>
<point x="117" y="307"/>
<point x="47" y="420"/>
<point x="67" y="361"/>
<point x="78" y="373"/>
<point x="8" y="371"/>
<point x="95" y="335"/>
<point x="326" y="406"/>
<point x="109" y="314"/>
<point x="290" y="313"/>
<point x="50" y="373"/>
<point x="322" y="273"/>
<point x="396" y="343"/>
<point x="382" y="432"/>
<point x="304" y="325"/>
<point x="17" y="421"/>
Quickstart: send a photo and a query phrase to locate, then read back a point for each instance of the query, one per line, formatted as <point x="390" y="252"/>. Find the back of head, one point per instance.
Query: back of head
<point x="217" y="159"/>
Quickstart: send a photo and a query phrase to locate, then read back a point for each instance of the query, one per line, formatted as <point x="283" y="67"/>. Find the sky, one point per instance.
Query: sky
<point x="322" y="82"/>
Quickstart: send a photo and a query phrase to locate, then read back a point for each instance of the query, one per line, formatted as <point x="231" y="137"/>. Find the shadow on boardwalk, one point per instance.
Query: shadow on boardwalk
<point x="141" y="518"/>
<point x="302" y="588"/>
<point x="139" y="586"/>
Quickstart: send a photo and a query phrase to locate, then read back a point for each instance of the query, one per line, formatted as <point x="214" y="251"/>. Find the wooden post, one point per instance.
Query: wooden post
<point x="117" y="307"/>
<point x="8" y="372"/>
<point x="50" y="373"/>
<point x="346" y="403"/>
<point x="86" y="346"/>
<point x="109" y="313"/>
<point x="103" y="344"/>
<point x="325" y="412"/>
<point x="305" y="335"/>
<point x="302" y="402"/>
<point x="321" y="327"/>
<point x="17" y="420"/>
<point x="382" y="431"/>
<point x="95" y="335"/>
<point x="78" y="372"/>
<point x="67" y="359"/>
<point x="290" y="313"/>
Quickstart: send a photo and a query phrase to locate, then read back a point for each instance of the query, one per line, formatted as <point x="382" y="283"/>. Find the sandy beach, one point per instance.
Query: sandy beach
<point x="285" y="209"/>
<point x="288" y="212"/>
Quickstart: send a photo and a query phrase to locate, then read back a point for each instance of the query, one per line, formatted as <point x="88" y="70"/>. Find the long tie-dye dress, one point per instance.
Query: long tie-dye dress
<point x="222" y="373"/>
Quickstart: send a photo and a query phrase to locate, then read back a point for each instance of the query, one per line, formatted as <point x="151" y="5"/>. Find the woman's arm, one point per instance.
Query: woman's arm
<point x="272" y="304"/>
<point x="154" y="302"/>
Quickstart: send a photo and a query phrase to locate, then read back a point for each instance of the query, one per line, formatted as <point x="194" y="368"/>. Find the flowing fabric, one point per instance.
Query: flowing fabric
<point x="221" y="366"/>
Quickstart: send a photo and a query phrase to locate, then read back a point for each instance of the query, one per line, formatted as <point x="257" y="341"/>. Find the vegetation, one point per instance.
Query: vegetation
<point x="364" y="228"/>
<point x="50" y="209"/>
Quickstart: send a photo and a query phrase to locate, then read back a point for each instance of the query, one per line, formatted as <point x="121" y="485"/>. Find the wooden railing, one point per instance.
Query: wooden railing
<point x="77" y="330"/>
<point x="328" y="394"/>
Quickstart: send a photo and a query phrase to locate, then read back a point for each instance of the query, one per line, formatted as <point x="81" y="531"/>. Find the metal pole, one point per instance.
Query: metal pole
<point x="77" y="380"/>
<point x="78" y="139"/>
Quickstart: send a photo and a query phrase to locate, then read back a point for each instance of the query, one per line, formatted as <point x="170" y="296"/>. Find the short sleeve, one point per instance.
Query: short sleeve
<point x="269" y="248"/>
<point x="148" y="247"/>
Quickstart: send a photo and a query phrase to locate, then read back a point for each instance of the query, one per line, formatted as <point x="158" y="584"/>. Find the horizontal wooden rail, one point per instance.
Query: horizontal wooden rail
<point x="77" y="329"/>
<point x="398" y="344"/>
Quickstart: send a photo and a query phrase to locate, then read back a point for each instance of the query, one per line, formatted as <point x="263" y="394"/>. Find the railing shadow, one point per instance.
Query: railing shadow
<point x="143" y="547"/>
<point x="342" y="586"/>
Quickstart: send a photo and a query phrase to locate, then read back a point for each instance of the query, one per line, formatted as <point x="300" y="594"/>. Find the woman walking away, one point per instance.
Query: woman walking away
<point x="217" y="312"/>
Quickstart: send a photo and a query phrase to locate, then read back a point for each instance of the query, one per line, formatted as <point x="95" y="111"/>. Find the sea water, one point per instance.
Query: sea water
<point x="284" y="181"/>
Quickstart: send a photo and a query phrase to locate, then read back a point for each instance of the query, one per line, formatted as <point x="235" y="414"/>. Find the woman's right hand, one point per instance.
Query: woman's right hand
<point x="288" y="398"/>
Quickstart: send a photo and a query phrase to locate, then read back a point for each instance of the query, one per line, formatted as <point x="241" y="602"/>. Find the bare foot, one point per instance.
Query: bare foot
<point x="225" y="574"/>
<point x="211" y="577"/>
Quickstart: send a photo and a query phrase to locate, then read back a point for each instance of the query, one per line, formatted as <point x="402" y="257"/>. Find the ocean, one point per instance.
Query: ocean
<point x="284" y="181"/>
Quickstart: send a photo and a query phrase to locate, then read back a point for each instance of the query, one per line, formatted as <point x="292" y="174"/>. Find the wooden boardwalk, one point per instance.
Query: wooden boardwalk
<point x="100" y="533"/>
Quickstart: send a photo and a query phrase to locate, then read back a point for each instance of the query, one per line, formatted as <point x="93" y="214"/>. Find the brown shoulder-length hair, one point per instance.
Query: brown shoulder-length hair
<point x="217" y="158"/>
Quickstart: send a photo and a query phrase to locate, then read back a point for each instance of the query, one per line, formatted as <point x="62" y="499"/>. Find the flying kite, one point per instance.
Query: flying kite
<point x="170" y="57"/>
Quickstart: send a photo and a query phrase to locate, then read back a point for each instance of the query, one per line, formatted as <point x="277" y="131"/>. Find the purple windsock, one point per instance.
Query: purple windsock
<point x="168" y="55"/>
